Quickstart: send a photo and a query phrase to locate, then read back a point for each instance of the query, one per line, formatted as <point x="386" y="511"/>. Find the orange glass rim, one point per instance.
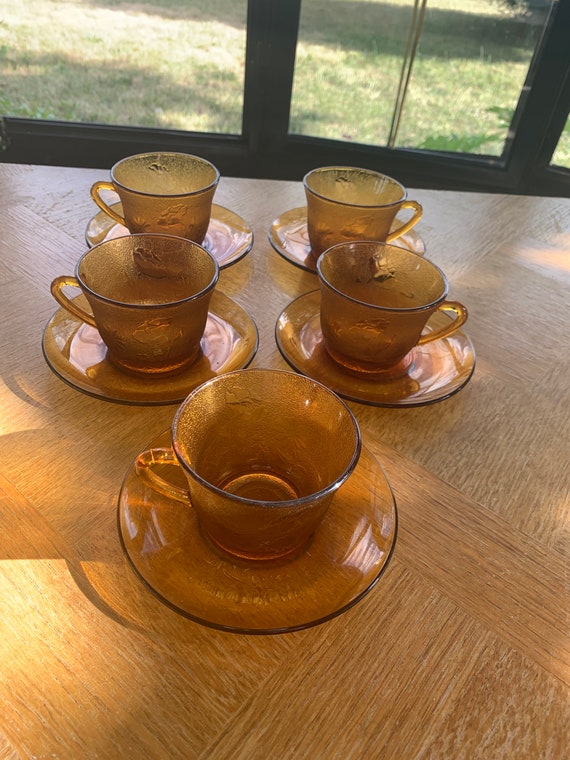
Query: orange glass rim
<point x="146" y="306"/>
<point x="189" y="194"/>
<point x="284" y="503"/>
<point x="396" y="309"/>
<point x="348" y="203"/>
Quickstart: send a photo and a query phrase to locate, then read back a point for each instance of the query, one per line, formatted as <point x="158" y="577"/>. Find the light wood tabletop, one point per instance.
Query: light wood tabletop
<point x="460" y="650"/>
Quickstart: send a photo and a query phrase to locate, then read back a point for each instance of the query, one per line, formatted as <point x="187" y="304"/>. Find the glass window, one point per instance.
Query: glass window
<point x="172" y="64"/>
<point x="464" y="94"/>
<point x="440" y="75"/>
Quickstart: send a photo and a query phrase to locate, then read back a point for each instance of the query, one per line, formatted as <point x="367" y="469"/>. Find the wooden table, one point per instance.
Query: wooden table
<point x="460" y="650"/>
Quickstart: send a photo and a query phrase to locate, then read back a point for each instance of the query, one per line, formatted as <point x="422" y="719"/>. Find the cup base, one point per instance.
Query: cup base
<point x="373" y="371"/>
<point x="260" y="486"/>
<point x="271" y="543"/>
<point x="249" y="558"/>
<point x="151" y="372"/>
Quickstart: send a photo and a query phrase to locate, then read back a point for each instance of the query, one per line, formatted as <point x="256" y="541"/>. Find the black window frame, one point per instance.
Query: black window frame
<point x="265" y="149"/>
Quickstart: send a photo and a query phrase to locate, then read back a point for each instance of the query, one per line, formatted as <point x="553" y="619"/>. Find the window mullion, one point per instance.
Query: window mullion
<point x="542" y="114"/>
<point x="272" y="29"/>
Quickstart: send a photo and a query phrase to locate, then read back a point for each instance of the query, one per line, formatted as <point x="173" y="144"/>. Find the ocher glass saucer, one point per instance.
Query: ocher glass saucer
<point x="437" y="370"/>
<point x="76" y="353"/>
<point x="288" y="235"/>
<point x="343" y="561"/>
<point x="228" y="238"/>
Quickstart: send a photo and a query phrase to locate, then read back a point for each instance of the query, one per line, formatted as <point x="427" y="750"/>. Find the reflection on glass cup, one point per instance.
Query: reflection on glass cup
<point x="149" y="297"/>
<point x="376" y="299"/>
<point x="168" y="193"/>
<point x="263" y="452"/>
<point x="346" y="203"/>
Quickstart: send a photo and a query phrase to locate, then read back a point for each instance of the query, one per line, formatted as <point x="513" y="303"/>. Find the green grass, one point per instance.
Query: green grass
<point x="153" y="64"/>
<point x="179" y="64"/>
<point x="469" y="69"/>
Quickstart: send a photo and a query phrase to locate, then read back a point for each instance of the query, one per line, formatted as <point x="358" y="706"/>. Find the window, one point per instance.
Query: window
<point x="173" y="64"/>
<point x="466" y="94"/>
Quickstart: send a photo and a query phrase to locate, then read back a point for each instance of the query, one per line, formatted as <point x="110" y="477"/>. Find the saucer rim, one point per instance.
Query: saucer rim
<point x="404" y="403"/>
<point x="217" y="295"/>
<point x="216" y="207"/>
<point x="164" y="438"/>
<point x="301" y="211"/>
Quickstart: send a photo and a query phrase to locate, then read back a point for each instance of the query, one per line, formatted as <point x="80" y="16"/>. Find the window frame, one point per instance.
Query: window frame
<point x="265" y="149"/>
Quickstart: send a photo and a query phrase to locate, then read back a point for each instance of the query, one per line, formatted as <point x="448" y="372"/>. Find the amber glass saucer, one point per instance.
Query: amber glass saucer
<point x="288" y="235"/>
<point x="76" y="353"/>
<point x="437" y="370"/>
<point x="228" y="238"/>
<point x="343" y="561"/>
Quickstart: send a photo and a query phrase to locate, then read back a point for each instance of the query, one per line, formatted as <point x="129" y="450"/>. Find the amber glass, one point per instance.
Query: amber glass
<point x="169" y="193"/>
<point x="376" y="299"/>
<point x="149" y="296"/>
<point x="264" y="452"/>
<point x="346" y="203"/>
<point x="342" y="562"/>
<point x="289" y="237"/>
<point x="229" y="237"/>
<point x="78" y="355"/>
<point x="435" y="371"/>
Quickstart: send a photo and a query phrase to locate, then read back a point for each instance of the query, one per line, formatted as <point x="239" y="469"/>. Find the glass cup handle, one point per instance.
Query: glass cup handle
<point x="103" y="185"/>
<point x="460" y="318"/>
<point x="414" y="219"/>
<point x="57" y="292"/>
<point x="144" y="469"/>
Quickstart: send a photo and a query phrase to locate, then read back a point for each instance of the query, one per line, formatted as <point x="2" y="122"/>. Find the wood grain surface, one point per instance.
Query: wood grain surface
<point x="462" y="648"/>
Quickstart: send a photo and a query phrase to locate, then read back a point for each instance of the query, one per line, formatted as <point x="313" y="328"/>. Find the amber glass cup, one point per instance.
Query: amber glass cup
<point x="149" y="297"/>
<point x="169" y="193"/>
<point x="376" y="299"/>
<point x="346" y="203"/>
<point x="263" y="452"/>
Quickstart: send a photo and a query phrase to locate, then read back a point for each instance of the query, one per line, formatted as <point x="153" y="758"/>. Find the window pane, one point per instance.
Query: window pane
<point x="175" y="64"/>
<point x="561" y="156"/>
<point x="466" y="72"/>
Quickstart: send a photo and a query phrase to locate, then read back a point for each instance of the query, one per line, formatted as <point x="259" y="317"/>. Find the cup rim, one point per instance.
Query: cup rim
<point x="147" y="306"/>
<point x="200" y="191"/>
<point x="330" y="489"/>
<point x="398" y="309"/>
<point x="348" y="203"/>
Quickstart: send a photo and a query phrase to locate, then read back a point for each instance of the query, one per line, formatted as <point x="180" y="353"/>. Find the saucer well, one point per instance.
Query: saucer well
<point x="437" y="370"/>
<point x="228" y="238"/>
<point x="343" y="561"/>
<point x="77" y="355"/>
<point x="289" y="237"/>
